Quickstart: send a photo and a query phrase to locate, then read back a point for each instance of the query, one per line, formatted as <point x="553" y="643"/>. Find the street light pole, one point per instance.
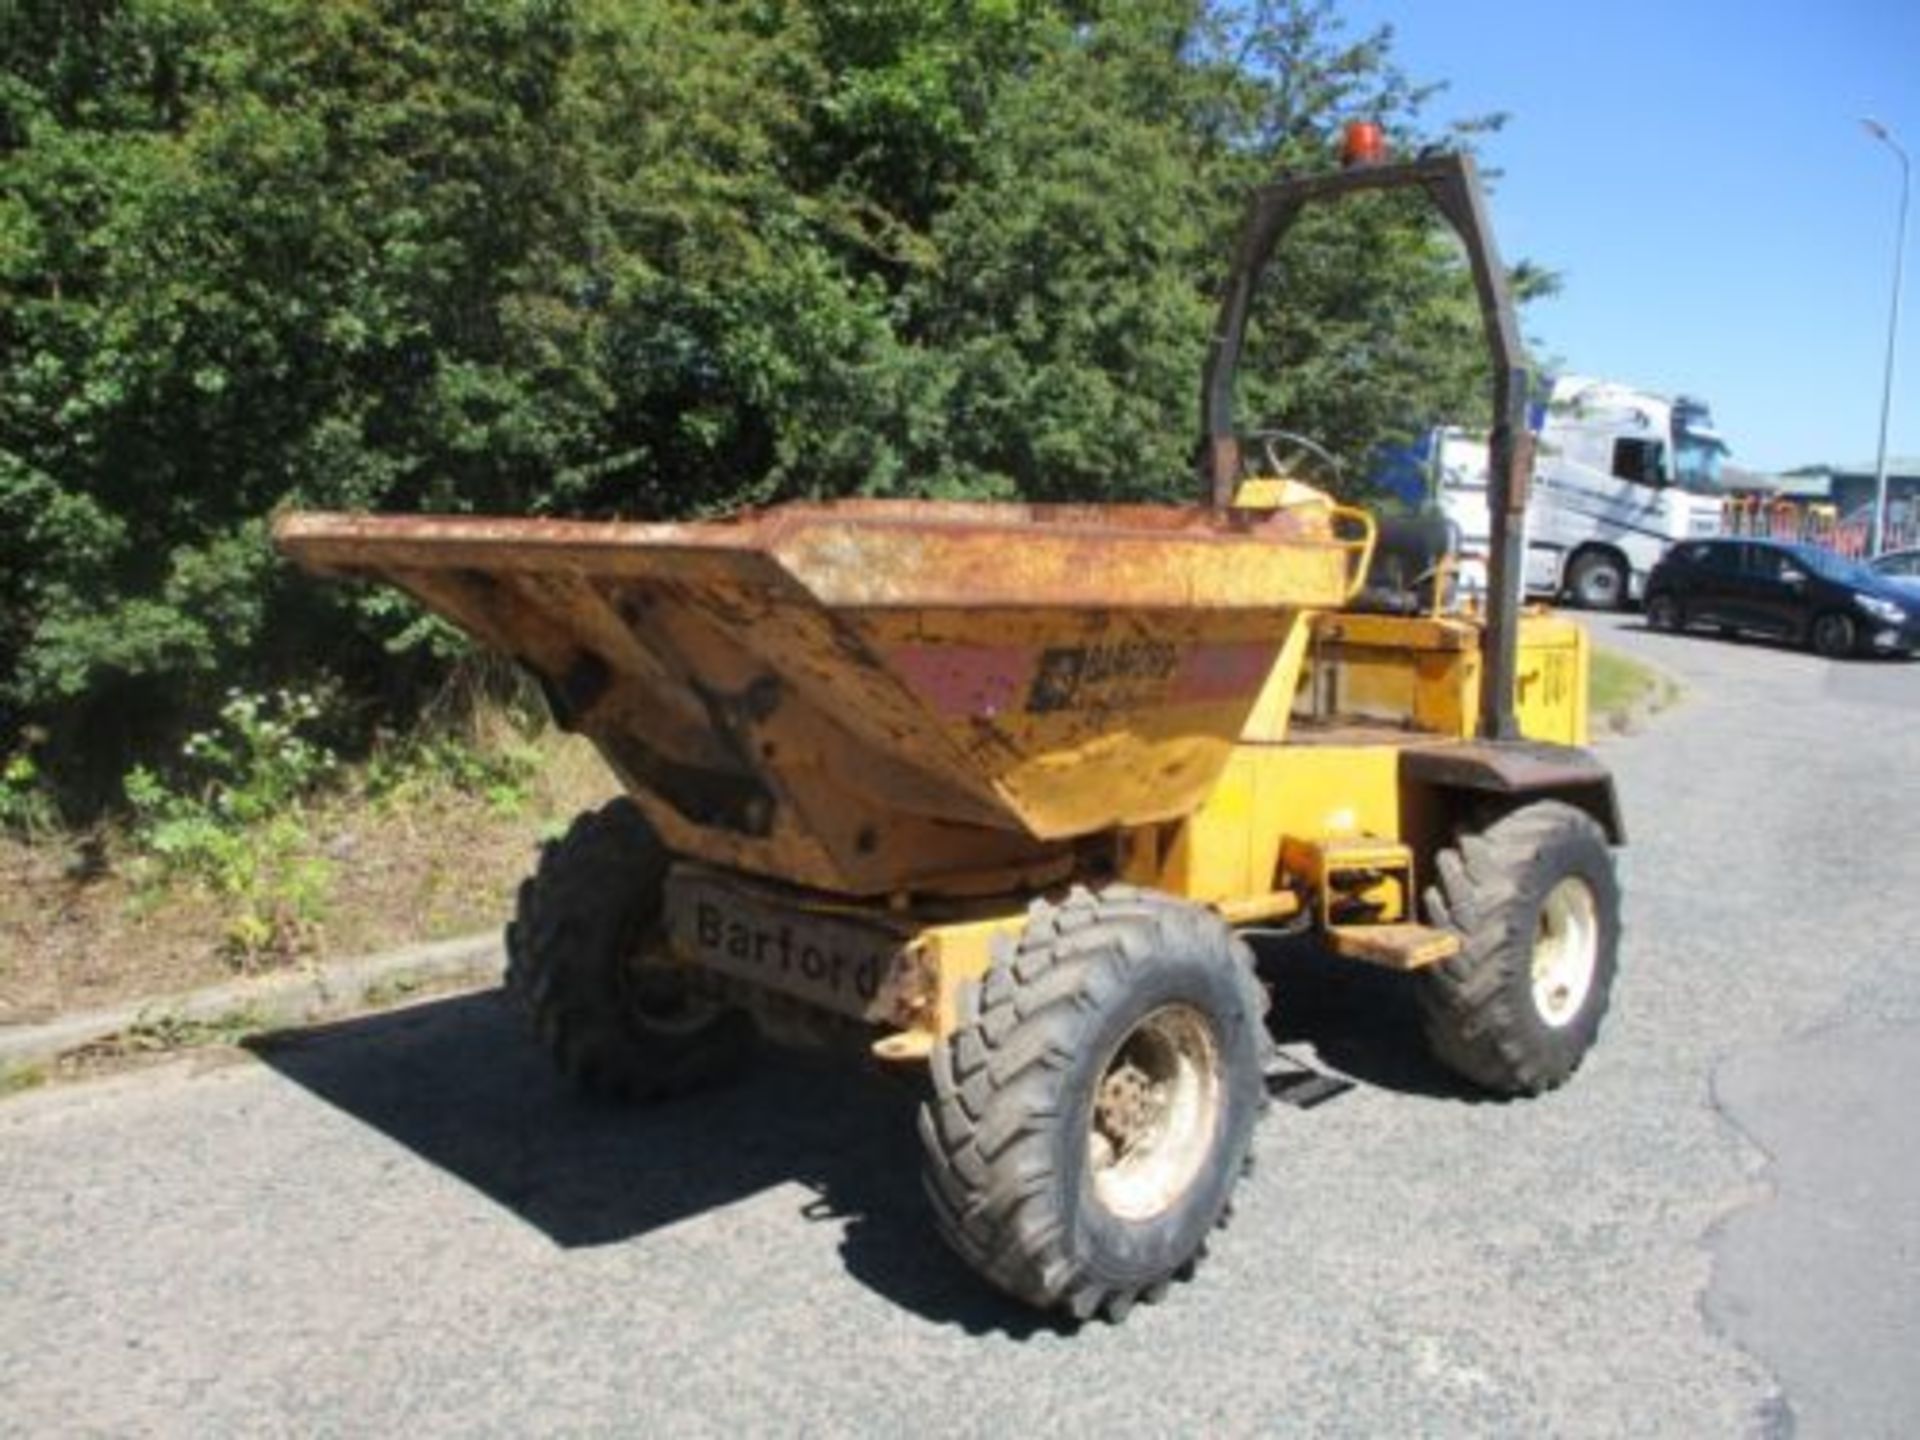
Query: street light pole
<point x="1882" y="133"/>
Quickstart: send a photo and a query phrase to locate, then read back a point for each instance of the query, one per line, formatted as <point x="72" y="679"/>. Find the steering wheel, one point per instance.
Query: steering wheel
<point x="1277" y="447"/>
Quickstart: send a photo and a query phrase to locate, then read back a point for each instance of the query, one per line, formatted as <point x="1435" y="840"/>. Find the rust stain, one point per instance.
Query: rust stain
<point x="972" y="556"/>
<point x="973" y="684"/>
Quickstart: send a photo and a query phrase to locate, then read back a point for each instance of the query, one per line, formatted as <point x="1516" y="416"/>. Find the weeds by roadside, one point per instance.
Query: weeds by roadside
<point x="26" y="808"/>
<point x="500" y="773"/>
<point x="1620" y="689"/>
<point x="265" y="847"/>
<point x="23" y="1078"/>
<point x="166" y="1032"/>
<point x="153" y="1037"/>
<point x="238" y="819"/>
<point x="236" y="823"/>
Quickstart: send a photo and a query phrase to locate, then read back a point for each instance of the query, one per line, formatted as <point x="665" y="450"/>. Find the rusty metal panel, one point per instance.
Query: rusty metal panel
<point x="868" y="695"/>
<point x="1509" y="767"/>
<point x="1520" y="768"/>
<point x="874" y="553"/>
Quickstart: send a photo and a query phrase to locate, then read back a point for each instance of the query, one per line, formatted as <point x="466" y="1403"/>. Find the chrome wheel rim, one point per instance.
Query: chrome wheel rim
<point x="1155" y="1113"/>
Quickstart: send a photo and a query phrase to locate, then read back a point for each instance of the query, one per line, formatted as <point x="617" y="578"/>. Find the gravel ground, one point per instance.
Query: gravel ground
<point x="401" y="1222"/>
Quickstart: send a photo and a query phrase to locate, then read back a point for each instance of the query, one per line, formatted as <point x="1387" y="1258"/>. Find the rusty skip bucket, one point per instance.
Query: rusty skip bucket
<point x="867" y="696"/>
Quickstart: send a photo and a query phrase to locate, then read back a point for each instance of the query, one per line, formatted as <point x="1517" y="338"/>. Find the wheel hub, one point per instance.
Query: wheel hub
<point x="660" y="998"/>
<point x="1566" y="951"/>
<point x="1155" y="1113"/>
<point x="1131" y="1104"/>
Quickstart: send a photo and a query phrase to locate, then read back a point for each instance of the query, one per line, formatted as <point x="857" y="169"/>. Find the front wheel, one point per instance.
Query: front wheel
<point x="1597" y="581"/>
<point x="1095" y="1107"/>
<point x="1664" y="613"/>
<point x="1536" y="903"/>
<point x="1834" y="635"/>
<point x="615" y="1023"/>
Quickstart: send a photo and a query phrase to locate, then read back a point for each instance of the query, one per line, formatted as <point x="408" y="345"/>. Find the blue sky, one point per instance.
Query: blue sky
<point x="1698" y="174"/>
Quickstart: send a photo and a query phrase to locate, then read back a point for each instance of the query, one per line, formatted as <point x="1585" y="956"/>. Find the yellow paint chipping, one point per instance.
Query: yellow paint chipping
<point x="871" y="731"/>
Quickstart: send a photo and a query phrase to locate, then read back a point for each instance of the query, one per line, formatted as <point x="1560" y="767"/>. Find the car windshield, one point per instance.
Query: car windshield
<point x="1829" y="566"/>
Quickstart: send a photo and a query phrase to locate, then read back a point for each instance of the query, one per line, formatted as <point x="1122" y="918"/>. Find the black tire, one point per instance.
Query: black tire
<point x="1486" y="1017"/>
<point x="1664" y="613"/>
<point x="1833" y="635"/>
<point x="1040" y="1075"/>
<point x="1597" y="580"/>
<point x="584" y="917"/>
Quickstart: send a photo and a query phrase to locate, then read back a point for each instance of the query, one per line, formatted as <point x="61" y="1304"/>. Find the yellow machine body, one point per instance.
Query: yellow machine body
<point x="872" y="731"/>
<point x="864" y="697"/>
<point x="988" y="786"/>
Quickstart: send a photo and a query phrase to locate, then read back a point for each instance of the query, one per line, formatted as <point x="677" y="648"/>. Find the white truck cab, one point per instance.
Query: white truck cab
<point x="1619" y="475"/>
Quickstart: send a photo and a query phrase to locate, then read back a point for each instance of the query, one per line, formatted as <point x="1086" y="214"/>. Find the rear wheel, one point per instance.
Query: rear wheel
<point x="1664" y="613"/>
<point x="1536" y="903"/>
<point x="576" y="963"/>
<point x="1834" y="635"/>
<point x="1597" y="580"/>
<point x="1095" y="1107"/>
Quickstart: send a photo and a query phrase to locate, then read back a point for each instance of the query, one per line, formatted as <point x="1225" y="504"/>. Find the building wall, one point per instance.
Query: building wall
<point x="1853" y="491"/>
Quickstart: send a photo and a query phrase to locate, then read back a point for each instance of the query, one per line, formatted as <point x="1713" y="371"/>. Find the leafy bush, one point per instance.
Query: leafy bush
<point x="238" y="824"/>
<point x="653" y="258"/>
<point x="403" y="773"/>
<point x="26" y="808"/>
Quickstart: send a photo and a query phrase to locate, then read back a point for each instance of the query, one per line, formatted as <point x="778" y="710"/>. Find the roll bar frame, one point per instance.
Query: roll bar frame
<point x="1451" y="182"/>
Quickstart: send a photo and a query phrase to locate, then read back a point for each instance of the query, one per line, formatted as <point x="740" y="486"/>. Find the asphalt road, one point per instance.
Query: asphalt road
<point x="403" y="1224"/>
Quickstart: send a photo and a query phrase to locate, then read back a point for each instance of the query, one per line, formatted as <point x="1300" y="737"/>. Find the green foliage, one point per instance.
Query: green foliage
<point x="427" y="762"/>
<point x="239" y="827"/>
<point x="258" y="764"/>
<point x="18" y="1079"/>
<point x="641" y="257"/>
<point x="26" y="807"/>
<point x="1620" y="687"/>
<point x="165" y="1032"/>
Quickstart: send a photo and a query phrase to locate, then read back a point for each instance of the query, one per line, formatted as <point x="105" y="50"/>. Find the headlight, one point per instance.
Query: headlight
<point x="1884" y="611"/>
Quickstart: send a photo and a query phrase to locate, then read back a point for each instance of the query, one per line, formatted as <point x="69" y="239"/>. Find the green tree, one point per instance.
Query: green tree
<point x="644" y="257"/>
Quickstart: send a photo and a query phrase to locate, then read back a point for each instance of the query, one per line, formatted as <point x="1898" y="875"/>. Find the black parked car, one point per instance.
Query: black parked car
<point x="1899" y="564"/>
<point x="1796" y="592"/>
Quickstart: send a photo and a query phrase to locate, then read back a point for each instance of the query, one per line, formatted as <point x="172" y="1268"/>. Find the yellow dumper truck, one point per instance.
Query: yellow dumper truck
<point x="990" y="789"/>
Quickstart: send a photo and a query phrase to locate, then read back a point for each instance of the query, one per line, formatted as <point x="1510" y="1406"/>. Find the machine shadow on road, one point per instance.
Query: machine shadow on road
<point x="457" y="1083"/>
<point x="1353" y="1019"/>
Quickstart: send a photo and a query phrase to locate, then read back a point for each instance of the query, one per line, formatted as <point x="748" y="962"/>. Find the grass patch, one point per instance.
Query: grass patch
<point x="368" y="862"/>
<point x="165" y="1032"/>
<point x="21" y="1079"/>
<point x="152" y="1039"/>
<point x="384" y="993"/>
<point x="1618" y="687"/>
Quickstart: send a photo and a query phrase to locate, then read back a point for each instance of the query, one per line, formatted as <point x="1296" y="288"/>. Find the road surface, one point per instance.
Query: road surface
<point x="402" y="1224"/>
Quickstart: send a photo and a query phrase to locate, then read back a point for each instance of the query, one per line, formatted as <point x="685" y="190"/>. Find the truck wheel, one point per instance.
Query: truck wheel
<point x="1095" y="1106"/>
<point x="1664" y="613"/>
<point x="1597" y="580"/>
<point x="1537" y="906"/>
<point x="615" y="1025"/>
<point x="1834" y="635"/>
